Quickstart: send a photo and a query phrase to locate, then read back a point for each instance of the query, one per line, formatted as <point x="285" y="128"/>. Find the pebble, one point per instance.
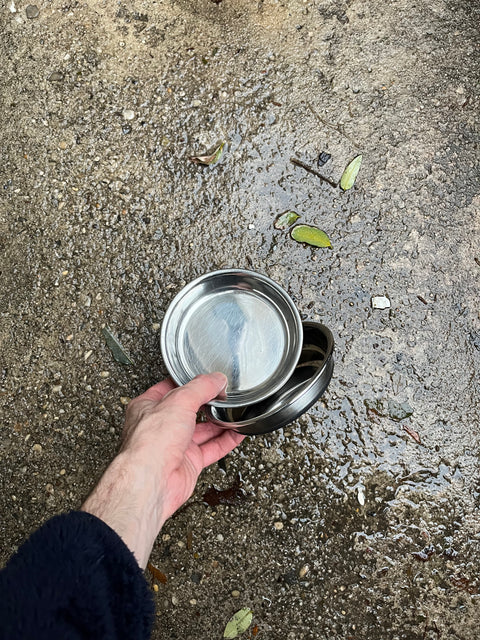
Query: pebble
<point x="37" y="448"/>
<point x="196" y="103"/>
<point x="156" y="326"/>
<point x="87" y="354"/>
<point x="361" y="496"/>
<point x="174" y="600"/>
<point x="155" y="587"/>
<point x="278" y="525"/>
<point x="220" y="538"/>
<point x="380" y="302"/>
<point x="12" y="7"/>
<point x="70" y="337"/>
<point x="104" y="374"/>
<point x="63" y="472"/>
<point x="303" y="571"/>
<point x="181" y="544"/>
<point x="193" y="601"/>
<point x="32" y="11"/>
<point x="124" y="399"/>
<point x="62" y="145"/>
<point x="166" y="537"/>
<point x="49" y="488"/>
<point x="128" y="114"/>
<point x="235" y="593"/>
<point x="57" y="388"/>
<point x="56" y="76"/>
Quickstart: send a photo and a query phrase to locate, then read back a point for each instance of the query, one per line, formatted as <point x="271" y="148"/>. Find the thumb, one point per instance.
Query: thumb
<point x="197" y="392"/>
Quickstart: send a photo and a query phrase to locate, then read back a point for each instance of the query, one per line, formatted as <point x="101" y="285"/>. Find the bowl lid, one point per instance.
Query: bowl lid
<point x="238" y="322"/>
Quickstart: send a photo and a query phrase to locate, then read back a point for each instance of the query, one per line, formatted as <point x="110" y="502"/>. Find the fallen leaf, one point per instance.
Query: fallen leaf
<point x="156" y="573"/>
<point x="231" y="496"/>
<point x="286" y="220"/>
<point x="310" y="235"/>
<point x="115" y="347"/>
<point x="239" y="623"/>
<point x="349" y="175"/>
<point x="210" y="159"/>
<point x="412" y="433"/>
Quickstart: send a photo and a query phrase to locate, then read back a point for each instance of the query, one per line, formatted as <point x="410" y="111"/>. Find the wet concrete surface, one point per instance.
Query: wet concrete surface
<point x="357" y="521"/>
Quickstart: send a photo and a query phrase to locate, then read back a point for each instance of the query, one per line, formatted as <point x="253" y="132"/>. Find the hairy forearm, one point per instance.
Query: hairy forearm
<point x="128" y="499"/>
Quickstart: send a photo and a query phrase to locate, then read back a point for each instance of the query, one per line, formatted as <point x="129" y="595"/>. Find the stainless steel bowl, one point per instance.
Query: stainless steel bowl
<point x="238" y="322"/>
<point x="306" y="385"/>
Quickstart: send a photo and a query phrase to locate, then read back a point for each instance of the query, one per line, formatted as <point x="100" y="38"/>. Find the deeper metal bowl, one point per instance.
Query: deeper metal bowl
<point x="307" y="384"/>
<point x="238" y="322"/>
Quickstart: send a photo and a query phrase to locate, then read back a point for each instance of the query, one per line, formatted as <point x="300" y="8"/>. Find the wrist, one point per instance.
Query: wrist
<point x="128" y="498"/>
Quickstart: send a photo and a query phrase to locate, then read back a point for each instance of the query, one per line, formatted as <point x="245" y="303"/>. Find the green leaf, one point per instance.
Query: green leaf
<point x="286" y="220"/>
<point x="210" y="159"/>
<point x="238" y="623"/>
<point x="349" y="175"/>
<point x="310" y="235"/>
<point x="115" y="347"/>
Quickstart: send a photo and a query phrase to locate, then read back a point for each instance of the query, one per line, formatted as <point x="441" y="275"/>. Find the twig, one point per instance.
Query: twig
<point x="301" y="164"/>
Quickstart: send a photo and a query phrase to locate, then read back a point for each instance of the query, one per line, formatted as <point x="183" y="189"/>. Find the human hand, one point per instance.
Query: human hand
<point x="163" y="452"/>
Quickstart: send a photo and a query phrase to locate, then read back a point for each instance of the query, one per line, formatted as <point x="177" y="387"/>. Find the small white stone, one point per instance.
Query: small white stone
<point x="128" y="114"/>
<point x="361" y="496"/>
<point x="278" y="525"/>
<point x="220" y="538"/>
<point x="380" y="302"/>
<point x="57" y="388"/>
<point x="37" y="448"/>
<point x="303" y="571"/>
<point x="124" y="400"/>
<point x="156" y="326"/>
<point x="87" y="354"/>
<point x="174" y="600"/>
<point x="181" y="544"/>
<point x="193" y="601"/>
<point x="104" y="374"/>
<point x="235" y="593"/>
<point x="12" y="7"/>
<point x="166" y="537"/>
<point x="196" y="103"/>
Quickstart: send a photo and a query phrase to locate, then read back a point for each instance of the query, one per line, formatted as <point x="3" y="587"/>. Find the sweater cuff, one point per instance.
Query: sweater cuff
<point x="75" y="576"/>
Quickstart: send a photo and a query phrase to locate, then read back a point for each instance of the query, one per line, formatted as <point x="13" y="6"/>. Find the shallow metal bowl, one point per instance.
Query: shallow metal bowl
<point x="238" y="322"/>
<point x="306" y="385"/>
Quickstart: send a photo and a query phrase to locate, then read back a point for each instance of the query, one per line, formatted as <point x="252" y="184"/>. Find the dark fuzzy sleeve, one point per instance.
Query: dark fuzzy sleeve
<point x="74" y="579"/>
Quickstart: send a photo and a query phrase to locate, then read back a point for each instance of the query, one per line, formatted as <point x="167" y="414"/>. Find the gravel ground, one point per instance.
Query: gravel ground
<point x="360" y="520"/>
